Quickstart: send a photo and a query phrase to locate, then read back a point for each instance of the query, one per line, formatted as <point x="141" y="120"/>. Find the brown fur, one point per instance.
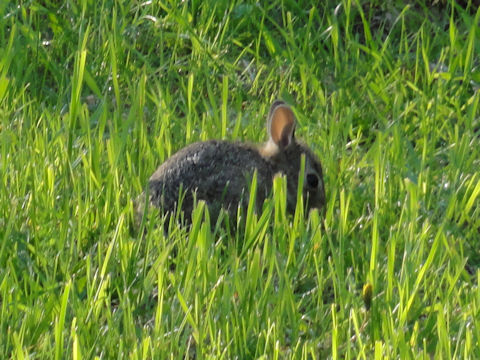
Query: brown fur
<point x="219" y="172"/>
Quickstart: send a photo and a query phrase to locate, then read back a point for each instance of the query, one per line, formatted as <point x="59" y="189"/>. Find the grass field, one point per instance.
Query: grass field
<point x="94" y="95"/>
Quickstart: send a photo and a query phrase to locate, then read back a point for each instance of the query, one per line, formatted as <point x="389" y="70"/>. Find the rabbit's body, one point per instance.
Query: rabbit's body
<point x="197" y="171"/>
<point x="220" y="172"/>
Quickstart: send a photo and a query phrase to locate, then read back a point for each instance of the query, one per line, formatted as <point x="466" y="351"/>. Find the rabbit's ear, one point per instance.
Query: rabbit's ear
<point x="281" y="124"/>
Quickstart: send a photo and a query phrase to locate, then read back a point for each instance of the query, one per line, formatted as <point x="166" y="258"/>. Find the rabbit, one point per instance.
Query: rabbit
<point x="220" y="172"/>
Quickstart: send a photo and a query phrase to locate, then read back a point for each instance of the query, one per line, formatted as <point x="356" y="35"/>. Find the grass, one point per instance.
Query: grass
<point x="94" y="95"/>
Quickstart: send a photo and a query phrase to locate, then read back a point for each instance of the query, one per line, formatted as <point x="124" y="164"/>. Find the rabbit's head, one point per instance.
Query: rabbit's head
<point x="285" y="152"/>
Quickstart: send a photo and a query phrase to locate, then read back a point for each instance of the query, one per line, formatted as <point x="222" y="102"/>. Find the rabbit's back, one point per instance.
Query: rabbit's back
<point x="218" y="172"/>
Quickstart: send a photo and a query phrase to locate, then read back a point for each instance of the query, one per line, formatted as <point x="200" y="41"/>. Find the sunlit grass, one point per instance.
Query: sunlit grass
<point x="95" y="95"/>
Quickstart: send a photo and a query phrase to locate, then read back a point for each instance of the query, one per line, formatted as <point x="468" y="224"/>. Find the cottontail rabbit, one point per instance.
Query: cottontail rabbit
<point x="220" y="172"/>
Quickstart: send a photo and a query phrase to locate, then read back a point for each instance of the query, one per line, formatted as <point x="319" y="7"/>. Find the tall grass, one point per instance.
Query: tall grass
<point x="94" y="95"/>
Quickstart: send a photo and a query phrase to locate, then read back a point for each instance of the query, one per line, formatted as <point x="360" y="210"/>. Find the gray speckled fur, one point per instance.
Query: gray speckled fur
<point x="220" y="173"/>
<point x="217" y="180"/>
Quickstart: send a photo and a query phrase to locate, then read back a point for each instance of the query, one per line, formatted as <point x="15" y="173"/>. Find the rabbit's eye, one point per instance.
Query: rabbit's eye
<point x="312" y="181"/>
